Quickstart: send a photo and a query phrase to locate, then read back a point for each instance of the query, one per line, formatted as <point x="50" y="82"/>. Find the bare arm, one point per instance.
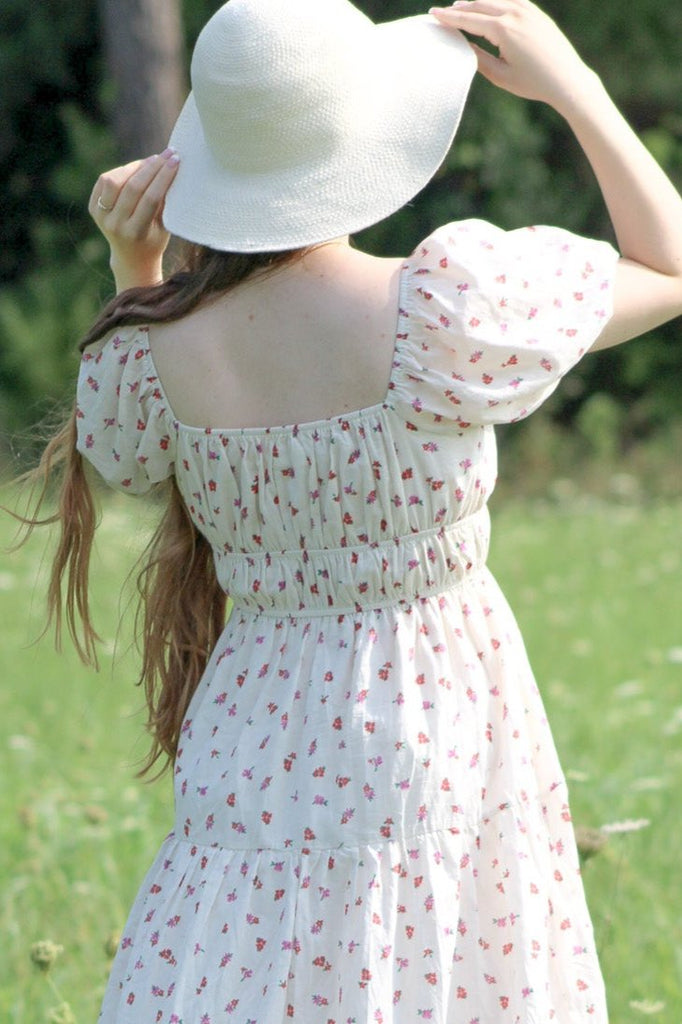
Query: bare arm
<point x="537" y="62"/>
<point x="126" y="205"/>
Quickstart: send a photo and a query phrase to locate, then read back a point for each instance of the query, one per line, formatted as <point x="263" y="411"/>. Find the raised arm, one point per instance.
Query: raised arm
<point x="537" y="62"/>
<point x="126" y="205"/>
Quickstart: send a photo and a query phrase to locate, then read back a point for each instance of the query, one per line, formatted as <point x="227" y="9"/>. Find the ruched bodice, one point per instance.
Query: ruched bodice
<point x="371" y="820"/>
<point x="292" y="518"/>
<point x="396" y="571"/>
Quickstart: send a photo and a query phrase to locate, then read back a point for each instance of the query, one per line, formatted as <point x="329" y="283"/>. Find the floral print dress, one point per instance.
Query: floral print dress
<point x="372" y="825"/>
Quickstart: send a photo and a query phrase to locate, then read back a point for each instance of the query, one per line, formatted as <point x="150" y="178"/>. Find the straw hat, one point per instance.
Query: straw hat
<point x="306" y="122"/>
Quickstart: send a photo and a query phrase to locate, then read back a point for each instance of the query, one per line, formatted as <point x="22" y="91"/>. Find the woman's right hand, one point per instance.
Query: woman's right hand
<point x="536" y="61"/>
<point x="126" y="204"/>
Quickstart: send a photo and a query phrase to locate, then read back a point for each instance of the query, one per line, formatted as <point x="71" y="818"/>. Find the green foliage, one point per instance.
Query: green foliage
<point x="48" y="59"/>
<point x="513" y="163"/>
<point x="596" y="589"/>
<point x="43" y="315"/>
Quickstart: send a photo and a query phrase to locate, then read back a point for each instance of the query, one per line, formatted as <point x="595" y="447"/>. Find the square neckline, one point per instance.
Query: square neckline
<point x="306" y="426"/>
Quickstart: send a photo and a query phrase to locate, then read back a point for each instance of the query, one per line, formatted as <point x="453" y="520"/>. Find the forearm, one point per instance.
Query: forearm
<point x="132" y="275"/>
<point x="644" y="206"/>
<point x="536" y="61"/>
<point x="126" y="204"/>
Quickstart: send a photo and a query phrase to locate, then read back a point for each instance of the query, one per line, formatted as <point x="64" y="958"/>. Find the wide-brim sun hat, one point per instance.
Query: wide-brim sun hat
<point x="307" y="122"/>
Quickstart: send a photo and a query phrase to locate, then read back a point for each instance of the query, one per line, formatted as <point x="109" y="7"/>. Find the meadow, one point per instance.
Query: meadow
<point x="597" y="587"/>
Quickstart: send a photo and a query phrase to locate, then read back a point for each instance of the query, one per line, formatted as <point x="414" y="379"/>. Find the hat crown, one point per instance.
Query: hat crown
<point x="306" y="121"/>
<point x="273" y="82"/>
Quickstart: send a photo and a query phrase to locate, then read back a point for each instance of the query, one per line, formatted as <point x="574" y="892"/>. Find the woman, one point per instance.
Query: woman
<point x="372" y="824"/>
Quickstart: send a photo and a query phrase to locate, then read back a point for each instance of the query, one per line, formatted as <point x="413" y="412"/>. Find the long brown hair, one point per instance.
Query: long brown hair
<point x="181" y="609"/>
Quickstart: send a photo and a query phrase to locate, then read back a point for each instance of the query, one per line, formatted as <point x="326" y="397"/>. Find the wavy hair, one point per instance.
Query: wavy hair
<point x="181" y="609"/>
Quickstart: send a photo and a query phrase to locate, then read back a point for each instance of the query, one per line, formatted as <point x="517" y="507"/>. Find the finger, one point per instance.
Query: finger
<point x="491" y="67"/>
<point x="135" y="186"/>
<point x="108" y="185"/>
<point x="150" y="205"/>
<point x="486" y="26"/>
<point x="494" y="7"/>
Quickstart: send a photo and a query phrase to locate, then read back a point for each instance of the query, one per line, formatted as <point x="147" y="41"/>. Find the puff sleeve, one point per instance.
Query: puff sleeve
<point x="492" y="319"/>
<point x="124" y="426"/>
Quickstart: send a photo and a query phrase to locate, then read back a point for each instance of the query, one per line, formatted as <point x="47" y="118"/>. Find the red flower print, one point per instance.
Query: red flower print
<point x="371" y="686"/>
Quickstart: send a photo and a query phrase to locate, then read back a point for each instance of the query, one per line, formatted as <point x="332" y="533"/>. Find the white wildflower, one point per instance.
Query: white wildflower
<point x="631" y="688"/>
<point x="646" y="1006"/>
<point x="20" y="742"/>
<point x="575" y="775"/>
<point x="649" y="785"/>
<point x="672" y="727"/>
<point x="7" y="581"/>
<point x="631" y="825"/>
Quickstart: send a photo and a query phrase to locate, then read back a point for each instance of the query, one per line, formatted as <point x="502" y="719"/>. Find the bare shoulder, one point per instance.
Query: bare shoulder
<point x="311" y="340"/>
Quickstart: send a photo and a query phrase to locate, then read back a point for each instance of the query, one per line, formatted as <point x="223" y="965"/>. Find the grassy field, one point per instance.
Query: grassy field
<point x="597" y="588"/>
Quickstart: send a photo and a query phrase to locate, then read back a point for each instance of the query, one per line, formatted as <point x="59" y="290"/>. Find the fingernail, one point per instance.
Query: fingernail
<point x="174" y="159"/>
<point x="167" y="152"/>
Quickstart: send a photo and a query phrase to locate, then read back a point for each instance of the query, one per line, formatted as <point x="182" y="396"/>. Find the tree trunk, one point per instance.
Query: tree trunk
<point x="145" y="57"/>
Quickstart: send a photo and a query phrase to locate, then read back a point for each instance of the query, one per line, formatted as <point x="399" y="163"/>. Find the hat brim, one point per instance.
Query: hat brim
<point x="415" y="81"/>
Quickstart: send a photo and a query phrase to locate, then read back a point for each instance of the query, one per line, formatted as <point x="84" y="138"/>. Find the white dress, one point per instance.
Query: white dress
<point x="372" y="825"/>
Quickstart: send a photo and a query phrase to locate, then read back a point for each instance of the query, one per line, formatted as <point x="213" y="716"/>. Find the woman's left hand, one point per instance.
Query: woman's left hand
<point x="535" y="59"/>
<point x="126" y="204"/>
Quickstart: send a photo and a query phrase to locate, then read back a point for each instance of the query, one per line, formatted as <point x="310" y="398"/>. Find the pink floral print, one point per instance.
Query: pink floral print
<point x="372" y="826"/>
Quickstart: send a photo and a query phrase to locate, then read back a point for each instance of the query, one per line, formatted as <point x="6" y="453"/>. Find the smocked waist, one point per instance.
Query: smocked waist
<point x="339" y="580"/>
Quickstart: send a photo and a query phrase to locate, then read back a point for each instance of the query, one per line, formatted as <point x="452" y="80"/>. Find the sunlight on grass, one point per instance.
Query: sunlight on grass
<point x="596" y="588"/>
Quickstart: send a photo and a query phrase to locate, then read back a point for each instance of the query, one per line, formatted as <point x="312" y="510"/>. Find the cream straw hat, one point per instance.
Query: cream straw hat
<point x="306" y="122"/>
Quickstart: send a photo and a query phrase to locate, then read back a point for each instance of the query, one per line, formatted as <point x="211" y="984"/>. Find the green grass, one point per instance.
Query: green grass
<point x="596" y="587"/>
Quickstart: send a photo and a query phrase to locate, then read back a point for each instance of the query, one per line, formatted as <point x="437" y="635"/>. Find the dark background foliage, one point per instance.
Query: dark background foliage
<point x="513" y="163"/>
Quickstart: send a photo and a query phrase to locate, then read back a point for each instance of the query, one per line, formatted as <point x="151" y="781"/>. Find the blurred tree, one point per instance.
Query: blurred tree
<point x="146" y="60"/>
<point x="48" y="63"/>
<point x="513" y="163"/>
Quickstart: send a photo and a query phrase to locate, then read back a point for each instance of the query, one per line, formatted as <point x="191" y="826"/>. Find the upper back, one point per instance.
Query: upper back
<point x="311" y="340"/>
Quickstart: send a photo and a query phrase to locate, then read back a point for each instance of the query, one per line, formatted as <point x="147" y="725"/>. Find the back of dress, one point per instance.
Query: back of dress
<point x="371" y="821"/>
